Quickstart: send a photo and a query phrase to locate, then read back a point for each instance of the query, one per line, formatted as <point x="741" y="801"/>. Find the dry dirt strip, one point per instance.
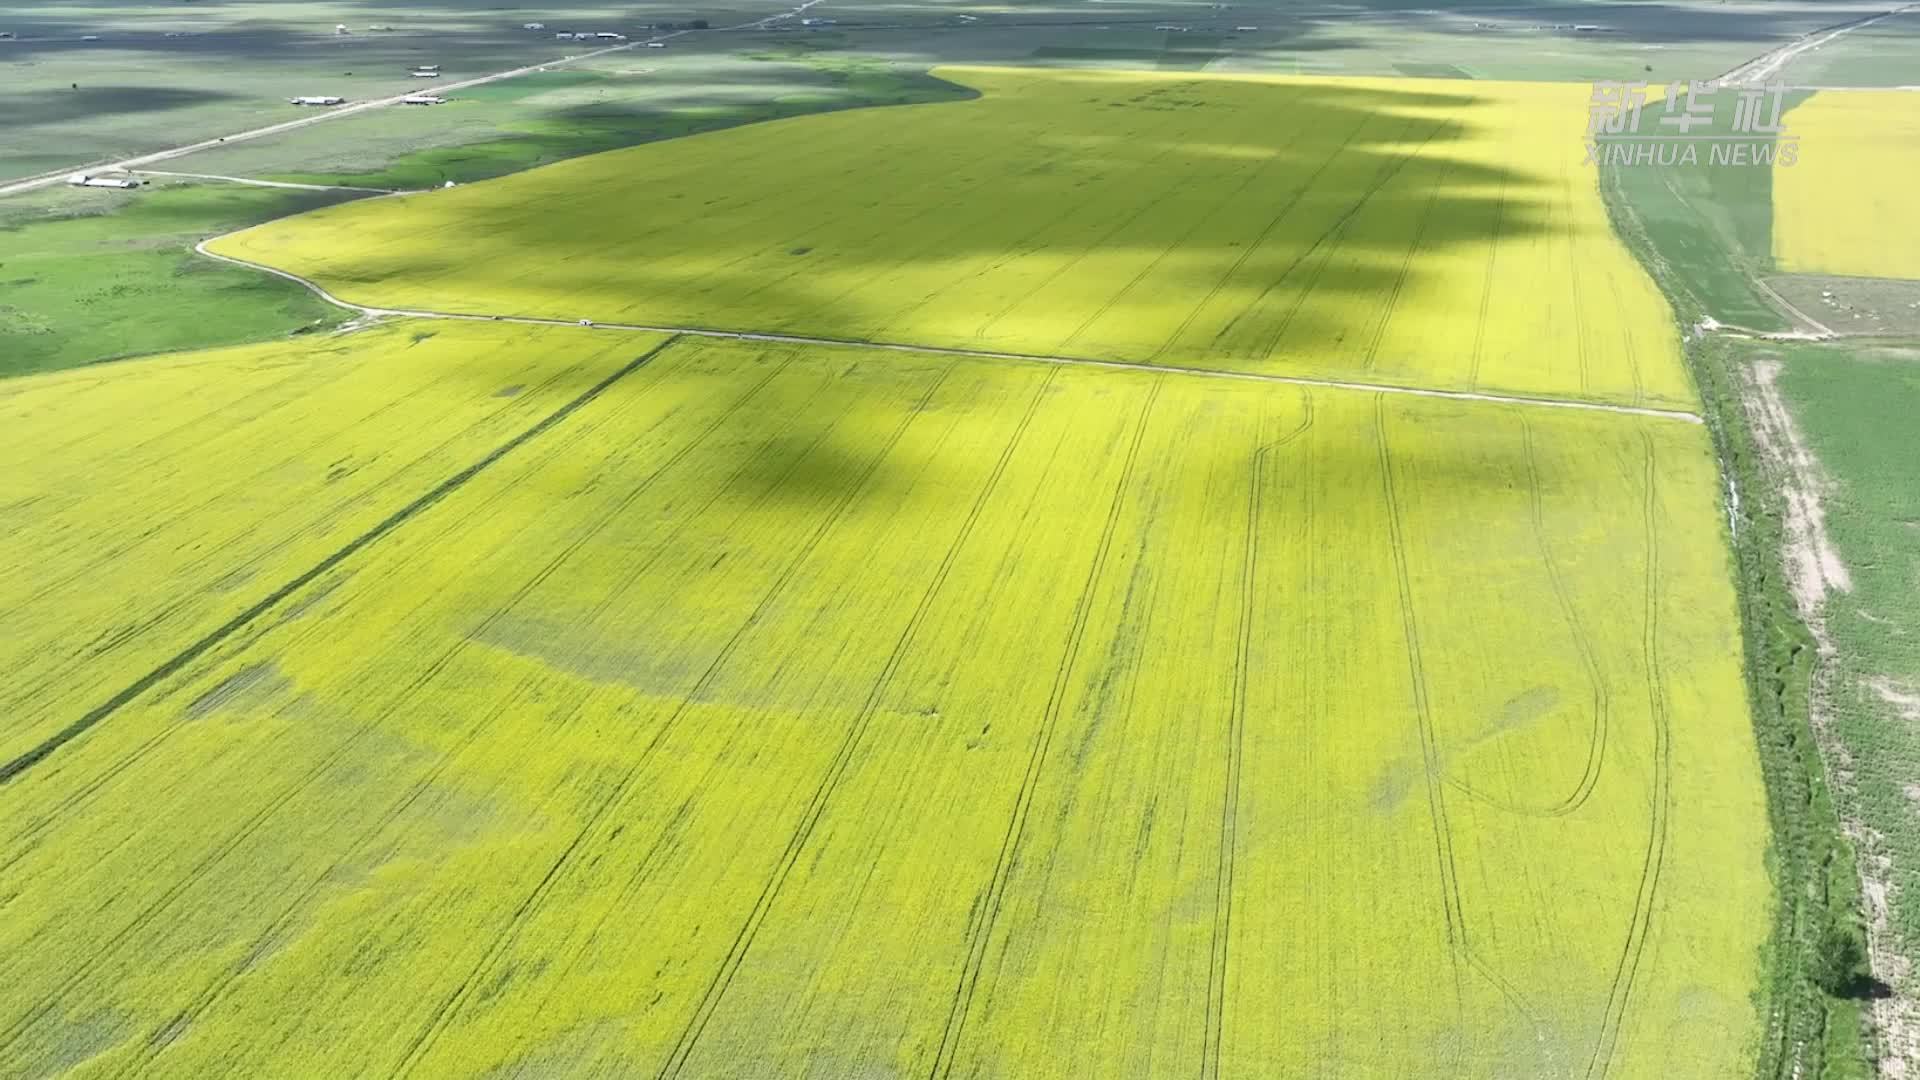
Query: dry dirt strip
<point x="287" y="184"/>
<point x="981" y="354"/>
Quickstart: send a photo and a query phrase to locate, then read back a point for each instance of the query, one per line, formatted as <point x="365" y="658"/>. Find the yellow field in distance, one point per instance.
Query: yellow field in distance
<point x="1847" y="205"/>
<point x="1408" y="231"/>
<point x="797" y="711"/>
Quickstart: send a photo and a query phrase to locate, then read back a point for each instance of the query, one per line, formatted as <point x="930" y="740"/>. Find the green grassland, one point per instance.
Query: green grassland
<point x="508" y="127"/>
<point x="1855" y="404"/>
<point x="95" y="275"/>
<point x="553" y="699"/>
<point x="87" y="276"/>
<point x="1711" y="227"/>
<point x="67" y="102"/>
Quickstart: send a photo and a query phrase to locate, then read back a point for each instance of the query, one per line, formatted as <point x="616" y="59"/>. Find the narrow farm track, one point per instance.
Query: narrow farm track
<point x="283" y="184"/>
<point x="980" y="354"/>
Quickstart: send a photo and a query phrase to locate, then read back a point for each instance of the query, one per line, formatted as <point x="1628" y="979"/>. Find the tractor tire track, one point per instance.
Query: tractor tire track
<point x="1486" y="290"/>
<point x="1214" y="1031"/>
<point x="1406" y="260"/>
<point x="259" y="559"/>
<point x="1602" y="701"/>
<point x="449" y="1006"/>
<point x="1451" y="906"/>
<point x="1333" y="231"/>
<point x="1619" y="994"/>
<point x="217" y="991"/>
<point x="982" y="932"/>
<point x="837" y="767"/>
<point x="1259" y="240"/>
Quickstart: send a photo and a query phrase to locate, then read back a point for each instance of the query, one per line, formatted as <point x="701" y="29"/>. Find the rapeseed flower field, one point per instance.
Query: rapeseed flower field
<point x="1412" y="232"/>
<point x="1846" y="205"/>
<point x="583" y="702"/>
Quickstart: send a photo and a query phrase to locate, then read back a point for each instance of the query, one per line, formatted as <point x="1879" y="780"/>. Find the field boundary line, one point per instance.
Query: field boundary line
<point x="1523" y="400"/>
<point x="11" y="770"/>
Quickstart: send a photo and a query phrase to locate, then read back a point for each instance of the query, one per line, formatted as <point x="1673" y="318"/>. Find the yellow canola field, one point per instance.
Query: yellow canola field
<point x="1847" y="205"/>
<point x="791" y="711"/>
<point x="145" y="505"/>
<point x="1408" y="231"/>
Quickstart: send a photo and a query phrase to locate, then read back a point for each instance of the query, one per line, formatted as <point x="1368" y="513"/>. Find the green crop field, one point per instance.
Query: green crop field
<point x="1853" y="403"/>
<point x="573" y="700"/>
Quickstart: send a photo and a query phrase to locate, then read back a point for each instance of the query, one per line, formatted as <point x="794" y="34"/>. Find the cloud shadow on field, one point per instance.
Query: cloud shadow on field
<point x="862" y="244"/>
<point x="52" y="107"/>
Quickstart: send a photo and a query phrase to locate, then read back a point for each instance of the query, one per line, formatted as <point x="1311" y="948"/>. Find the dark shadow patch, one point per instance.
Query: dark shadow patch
<point x="48" y="108"/>
<point x="253" y="682"/>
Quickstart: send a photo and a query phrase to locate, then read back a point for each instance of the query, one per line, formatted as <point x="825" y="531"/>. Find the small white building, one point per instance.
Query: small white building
<point x="317" y="99"/>
<point x="340" y="29"/>
<point x="533" y="26"/>
<point x="90" y="180"/>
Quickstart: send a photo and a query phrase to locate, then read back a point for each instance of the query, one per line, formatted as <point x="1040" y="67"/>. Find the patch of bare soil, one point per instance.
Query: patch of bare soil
<point x="1813" y="563"/>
